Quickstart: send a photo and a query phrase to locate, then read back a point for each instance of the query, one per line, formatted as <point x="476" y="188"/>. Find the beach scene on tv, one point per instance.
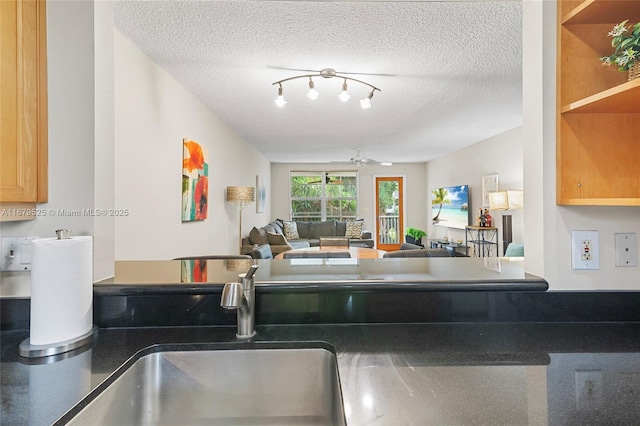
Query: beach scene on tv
<point x="450" y="206"/>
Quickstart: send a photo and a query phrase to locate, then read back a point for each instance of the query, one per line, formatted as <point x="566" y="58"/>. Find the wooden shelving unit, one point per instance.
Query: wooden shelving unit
<point x="598" y="109"/>
<point x="600" y="11"/>
<point x="619" y="99"/>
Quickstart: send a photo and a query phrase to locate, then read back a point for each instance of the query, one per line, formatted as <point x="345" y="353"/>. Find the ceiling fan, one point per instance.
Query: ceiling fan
<point x="359" y="159"/>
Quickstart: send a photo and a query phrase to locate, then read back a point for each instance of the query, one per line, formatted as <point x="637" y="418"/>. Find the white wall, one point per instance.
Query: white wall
<point x="76" y="60"/>
<point x="548" y="226"/>
<point x="104" y="197"/>
<point x="536" y="64"/>
<point x="501" y="155"/>
<point x="415" y="192"/>
<point x="153" y="113"/>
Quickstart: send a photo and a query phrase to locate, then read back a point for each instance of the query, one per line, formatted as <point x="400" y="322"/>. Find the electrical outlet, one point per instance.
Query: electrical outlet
<point x="585" y="250"/>
<point x="626" y="249"/>
<point x="16" y="253"/>
<point x="588" y="385"/>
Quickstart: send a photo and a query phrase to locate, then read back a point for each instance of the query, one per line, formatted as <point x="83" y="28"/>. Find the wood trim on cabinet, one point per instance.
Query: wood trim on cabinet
<point x="43" y="103"/>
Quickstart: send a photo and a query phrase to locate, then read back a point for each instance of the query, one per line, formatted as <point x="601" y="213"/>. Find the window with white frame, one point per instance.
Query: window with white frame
<point x="323" y="195"/>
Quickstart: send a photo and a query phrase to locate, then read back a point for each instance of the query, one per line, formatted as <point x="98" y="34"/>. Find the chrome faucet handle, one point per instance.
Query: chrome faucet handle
<point x="232" y="296"/>
<point x="247" y="278"/>
<point x="250" y="273"/>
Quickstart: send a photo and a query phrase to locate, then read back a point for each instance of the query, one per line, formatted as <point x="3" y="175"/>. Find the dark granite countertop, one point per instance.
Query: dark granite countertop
<point x="454" y="374"/>
<point x="407" y="351"/>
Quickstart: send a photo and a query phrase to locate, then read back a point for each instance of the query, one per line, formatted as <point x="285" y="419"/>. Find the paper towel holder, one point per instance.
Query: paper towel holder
<point x="63" y="234"/>
<point x="27" y="350"/>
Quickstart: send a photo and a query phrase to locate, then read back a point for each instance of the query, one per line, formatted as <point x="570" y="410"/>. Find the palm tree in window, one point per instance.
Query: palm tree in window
<point x="440" y="196"/>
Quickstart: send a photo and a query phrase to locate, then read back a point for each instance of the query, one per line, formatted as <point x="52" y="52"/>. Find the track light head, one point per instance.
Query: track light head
<point x="366" y="102"/>
<point x="280" y="100"/>
<point x="313" y="93"/>
<point x="344" y="95"/>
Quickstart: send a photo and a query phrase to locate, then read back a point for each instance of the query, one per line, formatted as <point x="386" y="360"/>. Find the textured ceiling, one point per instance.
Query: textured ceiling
<point x="450" y="73"/>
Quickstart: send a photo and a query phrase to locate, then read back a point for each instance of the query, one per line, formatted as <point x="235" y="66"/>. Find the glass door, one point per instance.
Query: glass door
<point x="389" y="213"/>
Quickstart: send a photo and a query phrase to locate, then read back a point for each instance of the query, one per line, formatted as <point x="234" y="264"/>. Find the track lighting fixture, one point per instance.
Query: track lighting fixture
<point x="327" y="73"/>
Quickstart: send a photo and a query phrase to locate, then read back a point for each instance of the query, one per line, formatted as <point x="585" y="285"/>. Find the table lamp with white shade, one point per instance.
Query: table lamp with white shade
<point x="506" y="200"/>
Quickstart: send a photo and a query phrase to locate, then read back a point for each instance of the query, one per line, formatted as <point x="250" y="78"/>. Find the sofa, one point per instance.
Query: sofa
<point x="284" y="235"/>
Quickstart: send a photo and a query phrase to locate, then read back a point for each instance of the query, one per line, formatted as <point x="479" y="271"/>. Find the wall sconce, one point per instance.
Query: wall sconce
<point x="506" y="200"/>
<point x="241" y="196"/>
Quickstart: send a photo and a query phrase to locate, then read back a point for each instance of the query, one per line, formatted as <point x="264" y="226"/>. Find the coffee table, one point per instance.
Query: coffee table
<point x="356" y="252"/>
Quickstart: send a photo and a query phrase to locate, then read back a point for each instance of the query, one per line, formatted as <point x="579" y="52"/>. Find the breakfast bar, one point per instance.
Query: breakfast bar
<point x="405" y="334"/>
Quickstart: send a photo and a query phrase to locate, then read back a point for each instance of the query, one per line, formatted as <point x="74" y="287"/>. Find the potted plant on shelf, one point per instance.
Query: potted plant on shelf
<point x="626" y="55"/>
<point x="414" y="236"/>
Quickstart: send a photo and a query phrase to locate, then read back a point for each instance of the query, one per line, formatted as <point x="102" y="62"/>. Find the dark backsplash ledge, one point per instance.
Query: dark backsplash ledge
<point x="329" y="307"/>
<point x="359" y="291"/>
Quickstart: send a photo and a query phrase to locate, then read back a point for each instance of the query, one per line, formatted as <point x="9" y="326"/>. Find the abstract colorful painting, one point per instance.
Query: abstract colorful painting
<point x="193" y="271"/>
<point x="195" y="181"/>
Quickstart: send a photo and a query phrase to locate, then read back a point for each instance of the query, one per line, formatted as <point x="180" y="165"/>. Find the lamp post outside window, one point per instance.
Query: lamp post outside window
<point x="241" y="196"/>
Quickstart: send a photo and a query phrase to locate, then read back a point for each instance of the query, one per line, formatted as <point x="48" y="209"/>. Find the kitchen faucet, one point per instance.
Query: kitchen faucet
<point x="242" y="296"/>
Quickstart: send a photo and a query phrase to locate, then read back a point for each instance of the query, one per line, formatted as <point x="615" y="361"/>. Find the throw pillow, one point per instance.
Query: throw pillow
<point x="258" y="236"/>
<point x="277" y="228"/>
<point x="514" y="250"/>
<point x="291" y="231"/>
<point x="269" y="228"/>
<point x="276" y="239"/>
<point x="354" y="229"/>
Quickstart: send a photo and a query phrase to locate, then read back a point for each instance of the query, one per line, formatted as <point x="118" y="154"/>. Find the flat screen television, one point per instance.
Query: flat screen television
<point x="450" y="206"/>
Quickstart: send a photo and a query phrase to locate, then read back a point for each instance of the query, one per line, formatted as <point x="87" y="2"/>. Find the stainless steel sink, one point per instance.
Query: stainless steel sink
<point x="247" y="384"/>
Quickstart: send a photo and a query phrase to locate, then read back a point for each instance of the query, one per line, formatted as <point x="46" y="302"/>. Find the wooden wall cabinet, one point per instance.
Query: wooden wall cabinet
<point x="23" y="107"/>
<point x="598" y="109"/>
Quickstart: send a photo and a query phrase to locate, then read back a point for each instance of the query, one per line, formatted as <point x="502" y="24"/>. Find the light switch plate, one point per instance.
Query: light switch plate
<point x="16" y="253"/>
<point x="626" y="249"/>
<point x="585" y="250"/>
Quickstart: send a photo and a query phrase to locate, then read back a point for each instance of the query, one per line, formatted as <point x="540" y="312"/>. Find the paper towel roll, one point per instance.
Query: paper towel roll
<point x="61" y="289"/>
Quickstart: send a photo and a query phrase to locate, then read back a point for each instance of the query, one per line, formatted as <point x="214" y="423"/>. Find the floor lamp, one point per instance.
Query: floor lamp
<point x="506" y="200"/>
<point x="241" y="196"/>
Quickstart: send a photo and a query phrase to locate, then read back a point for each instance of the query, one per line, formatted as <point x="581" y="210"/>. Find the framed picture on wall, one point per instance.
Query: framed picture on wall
<point x="489" y="184"/>
<point x="195" y="181"/>
<point x="261" y="194"/>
